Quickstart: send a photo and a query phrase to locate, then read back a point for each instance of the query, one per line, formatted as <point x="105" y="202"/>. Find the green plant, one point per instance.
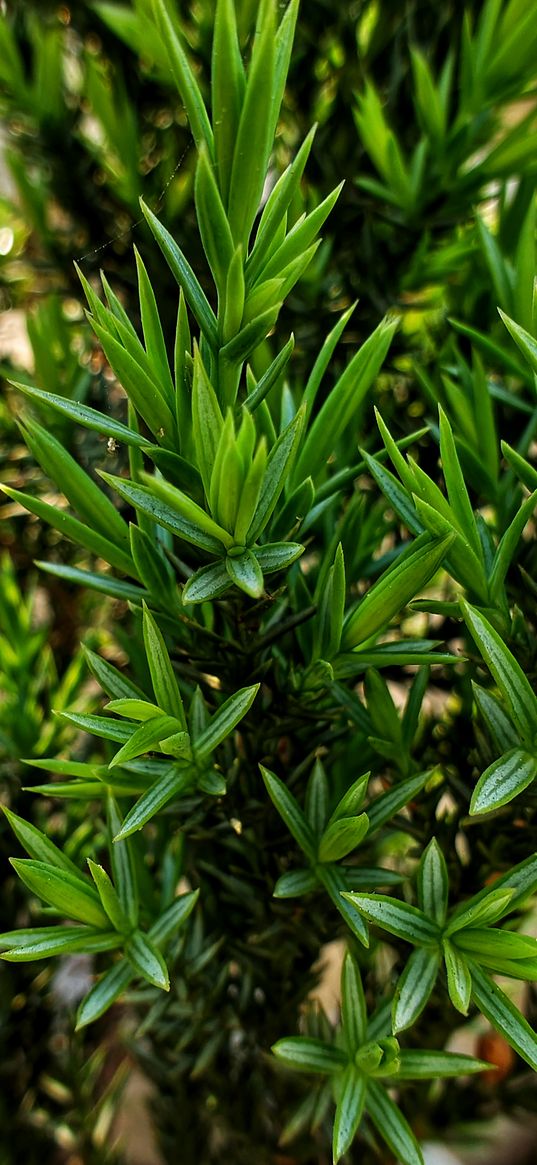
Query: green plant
<point x="43" y="1063"/>
<point x="361" y="1056"/>
<point x="248" y="651"/>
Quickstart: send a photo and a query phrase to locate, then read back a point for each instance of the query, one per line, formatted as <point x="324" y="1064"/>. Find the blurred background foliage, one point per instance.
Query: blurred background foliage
<point x="429" y="113"/>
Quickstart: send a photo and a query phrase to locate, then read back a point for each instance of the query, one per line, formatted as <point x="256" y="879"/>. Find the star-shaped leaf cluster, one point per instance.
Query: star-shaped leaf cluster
<point x="360" y="1062"/>
<point x="325" y="838"/>
<point x="466" y="941"/>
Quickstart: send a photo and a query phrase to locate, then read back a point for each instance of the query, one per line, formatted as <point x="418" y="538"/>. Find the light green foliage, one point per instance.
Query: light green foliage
<point x="30" y="682"/>
<point x="108" y="914"/>
<point x="453" y="117"/>
<point x="325" y="838"/>
<point x="355" y="1064"/>
<point x="468" y="941"/>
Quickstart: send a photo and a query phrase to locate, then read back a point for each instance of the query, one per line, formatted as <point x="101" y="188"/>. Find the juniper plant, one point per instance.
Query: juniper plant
<point x="263" y="585"/>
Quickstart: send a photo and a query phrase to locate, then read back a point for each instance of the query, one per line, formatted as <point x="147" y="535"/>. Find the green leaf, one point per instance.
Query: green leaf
<point x="456" y="486"/>
<point x="383" y="808"/>
<point x="494" y="943"/>
<point x="267" y="295"/>
<point x="123" y="865"/>
<point x="414" y="988"/>
<point x="349" y="1110"/>
<point x="523" y="340"/>
<point x="40" y="847"/>
<point x="481" y="910"/>
<point x="496" y="264"/>
<point x="342" y="837"/>
<point x="507" y="546"/>
<point x="24" y="946"/>
<point x="428" y="98"/>
<point x="152" y="566"/>
<point x="526" y="472"/>
<point x="396" y="495"/>
<point x="458" y="977"/>
<point x="351" y="801"/>
<point x="166" y="927"/>
<point x="329" y="622"/>
<point x="183" y="273"/>
<point x="165" y="686"/>
<point x="207" y="421"/>
<point x="155" y="343"/>
<point x="270" y="377"/>
<point x="111" y="985"/>
<point x="227" y="90"/>
<point x="396" y="917"/>
<point x="86" y="498"/>
<point x="300" y="237"/>
<point x="333" y="880"/>
<point x="522" y="969"/>
<point x="113" y="682"/>
<point x="172" y="783"/>
<point x="392" y="1125"/>
<point x="109" y="897"/>
<point x="503" y="780"/>
<point x="63" y="891"/>
<point x="104" y="583"/>
<point x="283" y="46"/>
<point x="309" y="1055"/>
<point x="231" y="316"/>
<point x="496" y="353"/>
<point x="316" y="803"/>
<point x="241" y="346"/>
<point x="184" y="77"/>
<point x="433" y="883"/>
<point x="289" y="810"/>
<point x="415" y="1065"/>
<point x="75" y="790"/>
<point x="188" y="509"/>
<point x="145" y="500"/>
<point x="82" y="414"/>
<point x="72" y="769"/>
<point x="226" y="473"/>
<point x="139" y="384"/>
<point x="323" y="359"/>
<point x="343" y="402"/>
<point x="400" y="583"/>
<point x="509" y="676"/>
<point x="177" y="469"/>
<point x="76" y="531"/>
<point x="212" y="221"/>
<point x="496" y="1006"/>
<point x="100" y="726"/>
<point x="224" y="721"/>
<point x="502" y="732"/>
<point x="115" y="319"/>
<point x="209" y="582"/>
<point x="105" y="992"/>
<point x="254" y="133"/>
<point x="353" y="1009"/>
<point x="278" y="468"/>
<point x="384" y="716"/>
<point x="295" y="883"/>
<point x="274" y="556"/>
<point x="147" y="737"/>
<point x="368" y="877"/>
<point x="275" y="209"/>
<point x="463" y="564"/>
<point x="147" y="960"/>
<point x="246" y="573"/>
